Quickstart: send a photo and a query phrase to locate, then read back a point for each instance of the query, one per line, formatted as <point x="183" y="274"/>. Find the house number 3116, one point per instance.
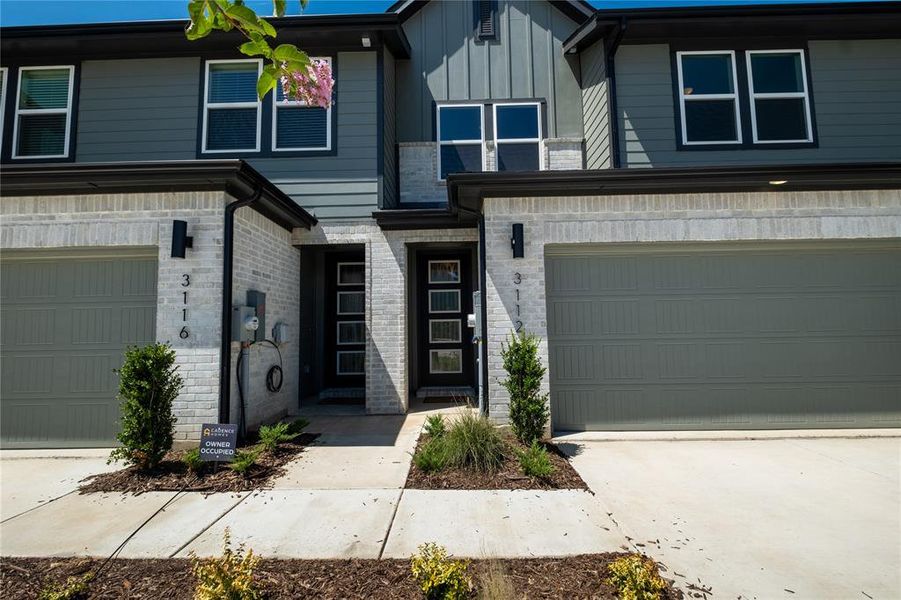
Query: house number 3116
<point x="185" y="283"/>
<point x="517" y="279"/>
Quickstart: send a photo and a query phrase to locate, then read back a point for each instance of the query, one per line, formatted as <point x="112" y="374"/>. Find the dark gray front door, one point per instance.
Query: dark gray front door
<point x="725" y="337"/>
<point x="66" y="319"/>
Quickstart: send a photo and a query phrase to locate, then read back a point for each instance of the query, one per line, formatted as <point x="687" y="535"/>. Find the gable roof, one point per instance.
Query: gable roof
<point x="577" y="10"/>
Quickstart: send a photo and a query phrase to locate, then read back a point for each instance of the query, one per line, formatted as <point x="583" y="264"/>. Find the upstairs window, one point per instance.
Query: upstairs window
<point x="461" y="138"/>
<point x="43" y="112"/>
<point x="780" y="103"/>
<point x="231" y="112"/>
<point x="298" y="127"/>
<point x="709" y="98"/>
<point x="3" y="74"/>
<point x="517" y="136"/>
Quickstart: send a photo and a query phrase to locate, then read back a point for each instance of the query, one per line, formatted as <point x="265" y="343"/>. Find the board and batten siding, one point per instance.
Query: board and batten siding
<point x="525" y="61"/>
<point x="595" y="107"/>
<point x="148" y="109"/>
<point x="134" y="110"/>
<point x="856" y="94"/>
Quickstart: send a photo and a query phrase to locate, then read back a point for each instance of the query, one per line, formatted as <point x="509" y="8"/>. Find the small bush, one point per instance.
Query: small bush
<point x="435" y="426"/>
<point x="431" y="456"/>
<point x="529" y="413"/>
<point x="75" y="588"/>
<point x="273" y="435"/>
<point x="148" y="384"/>
<point x="191" y="459"/>
<point x="439" y="577"/>
<point x="297" y="426"/>
<point x="229" y="577"/>
<point x="535" y="461"/>
<point x="244" y="459"/>
<point x="473" y="442"/>
<point x="494" y="583"/>
<point x="635" y="577"/>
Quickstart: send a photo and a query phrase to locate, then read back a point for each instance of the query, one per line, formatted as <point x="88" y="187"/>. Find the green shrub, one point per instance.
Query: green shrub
<point x="191" y="459"/>
<point x="473" y="442"/>
<point x="435" y="426"/>
<point x="273" y="435"/>
<point x="439" y="577"/>
<point x="229" y="577"/>
<point x="148" y="384"/>
<point x="244" y="459"/>
<point x="297" y="426"/>
<point x="75" y="588"/>
<point x="431" y="456"/>
<point x="529" y="411"/>
<point x="535" y="461"/>
<point x="635" y="577"/>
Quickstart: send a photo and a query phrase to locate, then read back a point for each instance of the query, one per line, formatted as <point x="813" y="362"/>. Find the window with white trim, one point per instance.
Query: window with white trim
<point x="517" y="136"/>
<point x="231" y="107"/>
<point x="43" y="123"/>
<point x="298" y="127"/>
<point x="708" y="97"/>
<point x="780" y="102"/>
<point x="461" y="138"/>
<point x="4" y="72"/>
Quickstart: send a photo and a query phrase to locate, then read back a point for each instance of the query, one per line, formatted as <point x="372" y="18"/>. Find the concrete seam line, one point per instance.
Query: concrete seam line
<point x="42" y="505"/>
<point x="213" y="522"/>
<point x="391" y="524"/>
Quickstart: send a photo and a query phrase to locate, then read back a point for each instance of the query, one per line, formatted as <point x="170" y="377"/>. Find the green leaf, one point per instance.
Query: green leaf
<point x="246" y="17"/>
<point x="288" y="53"/>
<point x="268" y="29"/>
<point x="278" y="7"/>
<point x="303" y="4"/>
<point x="266" y="83"/>
<point x="255" y="48"/>
<point x="199" y="27"/>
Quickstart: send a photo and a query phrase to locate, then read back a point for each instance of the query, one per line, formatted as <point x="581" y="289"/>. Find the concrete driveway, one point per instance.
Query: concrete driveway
<point x="787" y="518"/>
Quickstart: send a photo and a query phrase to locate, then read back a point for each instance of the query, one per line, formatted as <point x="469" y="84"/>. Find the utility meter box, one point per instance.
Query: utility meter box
<point x="257" y="300"/>
<point x="244" y="324"/>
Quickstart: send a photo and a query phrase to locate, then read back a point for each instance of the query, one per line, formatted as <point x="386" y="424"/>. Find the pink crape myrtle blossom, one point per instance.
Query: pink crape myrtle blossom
<point x="313" y="88"/>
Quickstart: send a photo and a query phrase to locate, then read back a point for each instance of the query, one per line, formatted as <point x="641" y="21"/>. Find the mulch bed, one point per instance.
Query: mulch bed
<point x="508" y="477"/>
<point x="172" y="475"/>
<point x="569" y="577"/>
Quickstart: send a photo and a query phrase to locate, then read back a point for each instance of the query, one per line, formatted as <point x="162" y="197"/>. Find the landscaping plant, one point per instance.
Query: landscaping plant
<point x="148" y="384"/>
<point x="229" y="577"/>
<point x="529" y="411"/>
<point x="431" y="456"/>
<point x="75" y="588"/>
<point x="473" y="442"/>
<point x="297" y="425"/>
<point x="535" y="461"/>
<point x="273" y="435"/>
<point x="191" y="459"/>
<point x="439" y="577"/>
<point x="244" y="459"/>
<point x="635" y="577"/>
<point x="494" y="583"/>
<point x="435" y="426"/>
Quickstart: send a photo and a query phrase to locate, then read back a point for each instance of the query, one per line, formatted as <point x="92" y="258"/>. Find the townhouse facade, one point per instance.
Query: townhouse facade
<point x="698" y="211"/>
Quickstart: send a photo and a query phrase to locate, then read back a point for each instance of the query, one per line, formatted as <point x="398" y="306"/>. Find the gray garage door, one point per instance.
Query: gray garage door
<point x="728" y="337"/>
<point x="65" y="319"/>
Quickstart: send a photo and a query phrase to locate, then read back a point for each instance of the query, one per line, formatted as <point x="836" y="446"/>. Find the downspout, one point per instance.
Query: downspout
<point x="610" y="56"/>
<point x="225" y="357"/>
<point x="483" y="285"/>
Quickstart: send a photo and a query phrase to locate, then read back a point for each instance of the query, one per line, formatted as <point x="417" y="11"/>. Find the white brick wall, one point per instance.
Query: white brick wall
<point x="652" y="218"/>
<point x="266" y="261"/>
<point x="387" y="371"/>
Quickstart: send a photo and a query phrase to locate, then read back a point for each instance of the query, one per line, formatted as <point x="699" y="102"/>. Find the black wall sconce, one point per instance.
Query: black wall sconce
<point x="180" y="239"/>
<point x="517" y="241"/>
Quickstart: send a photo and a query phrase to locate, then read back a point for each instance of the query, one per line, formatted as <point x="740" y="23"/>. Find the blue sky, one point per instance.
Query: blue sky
<point x="46" y="12"/>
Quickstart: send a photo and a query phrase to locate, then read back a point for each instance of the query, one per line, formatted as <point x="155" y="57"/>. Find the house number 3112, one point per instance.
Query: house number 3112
<point x="185" y="283"/>
<point x="517" y="279"/>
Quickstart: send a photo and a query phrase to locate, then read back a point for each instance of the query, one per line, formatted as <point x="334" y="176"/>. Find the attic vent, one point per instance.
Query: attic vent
<point x="486" y="17"/>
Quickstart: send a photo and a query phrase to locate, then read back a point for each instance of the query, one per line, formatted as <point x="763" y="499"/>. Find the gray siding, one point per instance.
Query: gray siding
<point x="344" y="185"/>
<point x="595" y="108"/>
<point x="143" y="109"/>
<point x="856" y="98"/>
<point x="389" y="133"/>
<point x="526" y="61"/>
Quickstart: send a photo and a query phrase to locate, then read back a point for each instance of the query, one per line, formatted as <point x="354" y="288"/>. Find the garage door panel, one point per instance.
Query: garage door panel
<point x="66" y="323"/>
<point x="731" y="338"/>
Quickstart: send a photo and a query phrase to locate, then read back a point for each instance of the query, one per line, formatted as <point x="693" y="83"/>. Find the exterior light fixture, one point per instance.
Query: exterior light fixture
<point x="180" y="239"/>
<point x="366" y="41"/>
<point x="518" y="241"/>
<point x="778" y="181"/>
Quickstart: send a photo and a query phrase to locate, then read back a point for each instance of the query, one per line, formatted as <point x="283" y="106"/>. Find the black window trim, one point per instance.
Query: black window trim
<point x="741" y="49"/>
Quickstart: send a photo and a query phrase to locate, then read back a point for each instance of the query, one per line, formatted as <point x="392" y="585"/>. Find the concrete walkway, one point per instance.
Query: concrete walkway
<point x="790" y="518"/>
